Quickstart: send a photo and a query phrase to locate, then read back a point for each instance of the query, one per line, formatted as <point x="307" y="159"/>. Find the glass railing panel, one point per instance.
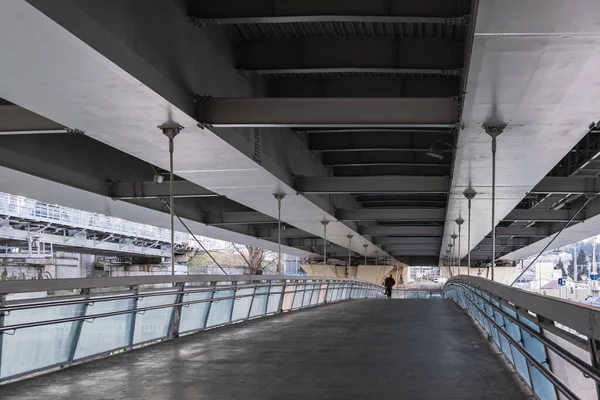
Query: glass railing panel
<point x="193" y="316"/>
<point x="153" y="324"/>
<point x="259" y="304"/>
<point x="275" y="294"/>
<point x="307" y="298"/>
<point x="542" y="387"/>
<point x="289" y="297"/>
<point x="220" y="310"/>
<point x="322" y="293"/>
<point x="242" y="303"/>
<point x="582" y="386"/>
<point x="37" y="347"/>
<point x="100" y="335"/>
<point x="299" y="298"/>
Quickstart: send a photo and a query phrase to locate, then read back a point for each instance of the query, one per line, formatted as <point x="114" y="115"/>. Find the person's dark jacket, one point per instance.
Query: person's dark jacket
<point x="389" y="282"/>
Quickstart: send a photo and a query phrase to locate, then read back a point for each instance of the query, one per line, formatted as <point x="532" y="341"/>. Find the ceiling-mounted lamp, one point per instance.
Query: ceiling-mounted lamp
<point x="439" y="149"/>
<point x="158" y="178"/>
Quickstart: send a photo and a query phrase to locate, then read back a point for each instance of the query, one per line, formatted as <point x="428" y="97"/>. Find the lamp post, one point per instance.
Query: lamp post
<point x="325" y="223"/>
<point x="448" y="260"/>
<point x="279" y="197"/>
<point x="170" y="130"/>
<point x="494" y="131"/>
<point x="459" y="222"/>
<point x="469" y="194"/>
<point x="450" y="245"/>
<point x="349" y="254"/>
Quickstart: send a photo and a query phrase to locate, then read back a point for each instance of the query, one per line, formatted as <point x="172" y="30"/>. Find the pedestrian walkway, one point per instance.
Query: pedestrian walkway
<point x="366" y="349"/>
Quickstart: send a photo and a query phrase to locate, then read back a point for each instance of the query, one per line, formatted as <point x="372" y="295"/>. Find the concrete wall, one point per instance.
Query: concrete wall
<point x="369" y="273"/>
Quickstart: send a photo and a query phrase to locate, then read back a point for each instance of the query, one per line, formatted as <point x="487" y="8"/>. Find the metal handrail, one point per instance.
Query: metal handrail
<point x="591" y="371"/>
<point x="22" y="207"/>
<point x="54" y="285"/>
<point x="576" y="316"/>
<point x="481" y="294"/>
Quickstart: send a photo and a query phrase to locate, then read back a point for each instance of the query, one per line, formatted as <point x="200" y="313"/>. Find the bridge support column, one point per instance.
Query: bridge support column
<point x="469" y="194"/>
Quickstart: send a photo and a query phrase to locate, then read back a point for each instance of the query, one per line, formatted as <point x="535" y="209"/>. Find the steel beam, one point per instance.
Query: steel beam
<point x="402" y="214"/>
<point x="265" y="233"/>
<point x="423" y="261"/>
<point x="522" y="232"/>
<point x="414" y="252"/>
<point x="237" y="218"/>
<point x="312" y="10"/>
<point x="408" y="249"/>
<point x="540" y="215"/>
<point x="402" y="231"/>
<point x="303" y="19"/>
<point x="362" y="85"/>
<point x="372" y="184"/>
<point x="350" y="71"/>
<point x="148" y="190"/>
<point x="368" y="158"/>
<point x="341" y="52"/>
<point x="505" y="242"/>
<point x="325" y="112"/>
<point x="411" y="240"/>
<point x="15" y="119"/>
<point x="567" y="185"/>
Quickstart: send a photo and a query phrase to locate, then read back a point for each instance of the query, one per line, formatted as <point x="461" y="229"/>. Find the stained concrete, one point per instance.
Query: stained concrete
<point x="368" y="349"/>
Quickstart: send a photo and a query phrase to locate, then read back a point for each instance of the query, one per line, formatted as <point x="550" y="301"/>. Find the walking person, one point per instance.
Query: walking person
<point x="389" y="283"/>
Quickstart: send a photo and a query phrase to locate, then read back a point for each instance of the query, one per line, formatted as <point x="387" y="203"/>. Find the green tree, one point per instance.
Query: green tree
<point x="561" y="266"/>
<point x="582" y="266"/>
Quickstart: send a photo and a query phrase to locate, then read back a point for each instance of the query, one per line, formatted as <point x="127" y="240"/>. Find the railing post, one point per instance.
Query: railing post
<point x="176" y="315"/>
<point x="212" y="296"/>
<point x="133" y="315"/>
<point x="234" y="284"/>
<point x="77" y="327"/>
<point x="2" y="304"/>
<point x="252" y="300"/>
<point x="326" y="292"/>
<point x="595" y="354"/>
<point x="280" y="307"/>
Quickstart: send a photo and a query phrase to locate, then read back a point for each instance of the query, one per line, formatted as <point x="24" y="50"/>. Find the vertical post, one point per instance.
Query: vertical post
<point x="325" y="222"/>
<point x="454" y="236"/>
<point x="76" y="332"/>
<point x="131" y="317"/>
<point x="450" y="257"/>
<point x="2" y="313"/>
<point x="234" y="284"/>
<point x="279" y="197"/>
<point x="469" y="193"/>
<point x="280" y="307"/>
<point x="459" y="222"/>
<point x="170" y="130"/>
<point x="347" y="272"/>
<point x="209" y="306"/>
<point x="494" y="131"/>
<point x="176" y="315"/>
<point x="365" y="246"/>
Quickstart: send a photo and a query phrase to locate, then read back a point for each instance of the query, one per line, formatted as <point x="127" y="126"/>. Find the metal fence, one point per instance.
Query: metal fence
<point x="417" y="294"/>
<point x="552" y="344"/>
<point x="75" y="320"/>
<point x="24" y="208"/>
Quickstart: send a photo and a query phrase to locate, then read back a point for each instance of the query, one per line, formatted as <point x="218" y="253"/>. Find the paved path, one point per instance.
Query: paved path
<point x="368" y="349"/>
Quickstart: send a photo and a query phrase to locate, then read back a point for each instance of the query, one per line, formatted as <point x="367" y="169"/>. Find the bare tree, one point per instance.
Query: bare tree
<point x="256" y="259"/>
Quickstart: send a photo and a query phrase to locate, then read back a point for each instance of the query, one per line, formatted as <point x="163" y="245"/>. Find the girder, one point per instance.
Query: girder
<point x="413" y="215"/>
<point x="323" y="112"/>
<point x="375" y="184"/>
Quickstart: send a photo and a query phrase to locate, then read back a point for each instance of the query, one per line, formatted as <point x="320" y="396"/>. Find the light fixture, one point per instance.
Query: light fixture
<point x="439" y="149"/>
<point x="158" y="178"/>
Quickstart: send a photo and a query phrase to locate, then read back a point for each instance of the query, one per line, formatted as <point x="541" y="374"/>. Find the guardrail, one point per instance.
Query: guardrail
<point x="76" y="320"/>
<point x="22" y="207"/>
<point x="417" y="294"/>
<point x="553" y="344"/>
